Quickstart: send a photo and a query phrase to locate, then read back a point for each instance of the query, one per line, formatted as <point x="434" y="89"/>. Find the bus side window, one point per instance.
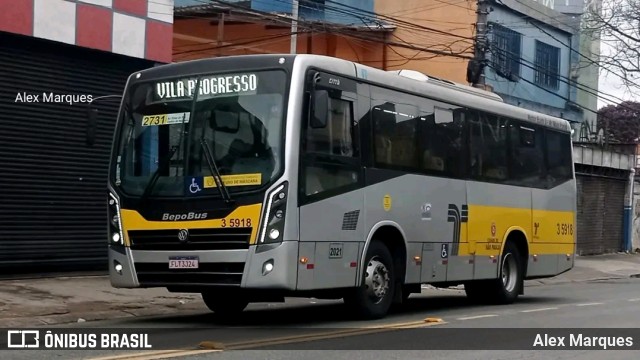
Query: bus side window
<point x="396" y="135"/>
<point x="560" y="164"/>
<point x="526" y="167"/>
<point x="337" y="139"/>
<point x="488" y="147"/>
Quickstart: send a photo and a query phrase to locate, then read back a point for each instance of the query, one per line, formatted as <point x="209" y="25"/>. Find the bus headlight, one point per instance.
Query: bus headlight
<point x="115" y="225"/>
<point x="272" y="226"/>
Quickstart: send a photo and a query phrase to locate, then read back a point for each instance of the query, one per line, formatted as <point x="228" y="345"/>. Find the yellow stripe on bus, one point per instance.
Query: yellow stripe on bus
<point x="243" y="216"/>
<point x="547" y="232"/>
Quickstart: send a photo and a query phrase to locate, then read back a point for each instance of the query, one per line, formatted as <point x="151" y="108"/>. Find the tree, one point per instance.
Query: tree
<point x="621" y="123"/>
<point x="616" y="23"/>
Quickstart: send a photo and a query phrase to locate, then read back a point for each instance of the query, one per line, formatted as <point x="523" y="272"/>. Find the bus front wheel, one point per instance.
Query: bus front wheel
<point x="374" y="297"/>
<point x="224" y="304"/>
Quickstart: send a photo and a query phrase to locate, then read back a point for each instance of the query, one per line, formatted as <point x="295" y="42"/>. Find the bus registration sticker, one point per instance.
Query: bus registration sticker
<point x="335" y="251"/>
<point x="183" y="262"/>
<point x="165" y="119"/>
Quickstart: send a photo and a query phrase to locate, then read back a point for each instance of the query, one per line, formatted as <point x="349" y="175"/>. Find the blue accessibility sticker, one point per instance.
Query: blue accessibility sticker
<point x="194" y="185"/>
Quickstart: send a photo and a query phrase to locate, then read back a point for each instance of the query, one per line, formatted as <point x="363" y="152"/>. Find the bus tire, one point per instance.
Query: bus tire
<point x="507" y="285"/>
<point x="476" y="291"/>
<point x="373" y="299"/>
<point x="224" y="304"/>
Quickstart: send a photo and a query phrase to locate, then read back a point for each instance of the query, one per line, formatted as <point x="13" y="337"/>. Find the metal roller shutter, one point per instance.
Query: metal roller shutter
<point x="53" y="186"/>
<point x="600" y="214"/>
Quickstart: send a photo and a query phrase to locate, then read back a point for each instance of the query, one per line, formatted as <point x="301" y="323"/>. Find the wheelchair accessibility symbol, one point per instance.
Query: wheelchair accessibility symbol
<point x="444" y="253"/>
<point x="194" y="187"/>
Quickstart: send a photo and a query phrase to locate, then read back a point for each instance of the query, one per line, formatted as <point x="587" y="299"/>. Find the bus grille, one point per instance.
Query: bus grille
<point x="198" y="239"/>
<point x="159" y="274"/>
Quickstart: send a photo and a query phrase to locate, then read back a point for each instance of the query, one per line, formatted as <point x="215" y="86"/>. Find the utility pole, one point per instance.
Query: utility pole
<point x="294" y="26"/>
<point x="475" y="73"/>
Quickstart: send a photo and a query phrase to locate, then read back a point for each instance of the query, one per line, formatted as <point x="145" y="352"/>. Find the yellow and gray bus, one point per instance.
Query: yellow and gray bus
<point x="255" y="178"/>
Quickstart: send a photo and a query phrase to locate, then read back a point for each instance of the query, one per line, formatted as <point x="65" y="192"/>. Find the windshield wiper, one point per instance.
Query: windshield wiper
<point x="213" y="167"/>
<point x="156" y="174"/>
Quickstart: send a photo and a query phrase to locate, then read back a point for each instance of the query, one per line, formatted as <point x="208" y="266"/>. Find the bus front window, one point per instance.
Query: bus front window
<point x="239" y="116"/>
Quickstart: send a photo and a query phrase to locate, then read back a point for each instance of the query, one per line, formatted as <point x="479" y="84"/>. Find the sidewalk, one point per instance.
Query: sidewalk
<point x="49" y="301"/>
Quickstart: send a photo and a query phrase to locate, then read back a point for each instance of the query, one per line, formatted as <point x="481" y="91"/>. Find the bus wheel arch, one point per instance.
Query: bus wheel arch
<point x="510" y="274"/>
<point x="512" y="268"/>
<point x="390" y="235"/>
<point x="386" y="244"/>
<point x="519" y="240"/>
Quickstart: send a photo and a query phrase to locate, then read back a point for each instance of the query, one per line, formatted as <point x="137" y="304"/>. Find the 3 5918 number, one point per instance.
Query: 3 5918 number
<point x="564" y="229"/>
<point x="245" y="222"/>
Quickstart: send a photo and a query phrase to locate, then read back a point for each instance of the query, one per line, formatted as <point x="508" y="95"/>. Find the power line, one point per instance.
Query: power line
<point x="407" y="45"/>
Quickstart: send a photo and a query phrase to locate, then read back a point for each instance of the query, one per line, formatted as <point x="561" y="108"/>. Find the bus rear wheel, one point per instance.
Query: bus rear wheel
<point x="224" y="304"/>
<point x="507" y="286"/>
<point x="374" y="297"/>
<point x="504" y="289"/>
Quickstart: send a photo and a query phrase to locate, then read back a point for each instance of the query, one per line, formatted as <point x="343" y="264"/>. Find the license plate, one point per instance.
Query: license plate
<point x="183" y="262"/>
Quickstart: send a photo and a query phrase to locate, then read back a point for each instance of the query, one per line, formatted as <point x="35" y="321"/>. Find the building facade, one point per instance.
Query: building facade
<point x="531" y="59"/>
<point x="55" y="57"/>
<point x="258" y="27"/>
<point x="585" y="69"/>
<point x="386" y="34"/>
<point x="434" y="28"/>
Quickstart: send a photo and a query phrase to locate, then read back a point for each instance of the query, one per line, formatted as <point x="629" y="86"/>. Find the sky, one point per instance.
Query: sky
<point x="610" y="84"/>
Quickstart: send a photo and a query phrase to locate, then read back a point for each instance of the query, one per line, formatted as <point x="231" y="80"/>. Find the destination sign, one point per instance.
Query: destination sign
<point x="210" y="86"/>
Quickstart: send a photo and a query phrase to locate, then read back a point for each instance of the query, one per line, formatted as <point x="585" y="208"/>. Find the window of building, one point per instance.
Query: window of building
<point x="505" y="51"/>
<point x="547" y="65"/>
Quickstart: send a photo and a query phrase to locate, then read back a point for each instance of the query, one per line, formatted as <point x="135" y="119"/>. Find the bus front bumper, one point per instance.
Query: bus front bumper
<point x="273" y="268"/>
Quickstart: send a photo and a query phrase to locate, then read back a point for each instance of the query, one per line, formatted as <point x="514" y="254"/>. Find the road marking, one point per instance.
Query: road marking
<point x="636" y="299"/>
<point x="159" y="354"/>
<point x="166" y="354"/>
<point x="476" y="317"/>
<point x="589" y="304"/>
<point x="333" y="334"/>
<point x="542" y="309"/>
<point x="174" y="355"/>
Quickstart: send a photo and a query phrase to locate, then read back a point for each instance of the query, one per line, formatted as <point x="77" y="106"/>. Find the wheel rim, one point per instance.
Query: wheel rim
<point x="509" y="272"/>
<point x="377" y="280"/>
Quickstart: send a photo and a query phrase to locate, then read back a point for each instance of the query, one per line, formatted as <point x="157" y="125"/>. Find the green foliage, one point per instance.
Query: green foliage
<point x="621" y="122"/>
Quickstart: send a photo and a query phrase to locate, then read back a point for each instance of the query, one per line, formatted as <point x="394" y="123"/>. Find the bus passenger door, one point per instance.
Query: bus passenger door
<point x="331" y="199"/>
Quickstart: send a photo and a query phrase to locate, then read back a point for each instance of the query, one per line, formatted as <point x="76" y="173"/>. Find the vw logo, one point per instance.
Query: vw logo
<point x="183" y="235"/>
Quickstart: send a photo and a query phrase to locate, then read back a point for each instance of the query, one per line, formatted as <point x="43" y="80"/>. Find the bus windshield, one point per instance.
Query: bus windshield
<point x="238" y="115"/>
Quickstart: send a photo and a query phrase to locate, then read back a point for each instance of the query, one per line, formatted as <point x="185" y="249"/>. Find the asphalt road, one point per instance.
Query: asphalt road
<point x="325" y="326"/>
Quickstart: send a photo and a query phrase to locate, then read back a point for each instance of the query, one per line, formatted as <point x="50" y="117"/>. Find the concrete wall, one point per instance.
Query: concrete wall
<point x="455" y="18"/>
<point x="196" y="39"/>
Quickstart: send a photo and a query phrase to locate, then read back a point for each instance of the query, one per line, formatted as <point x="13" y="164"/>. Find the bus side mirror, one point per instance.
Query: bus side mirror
<point x="320" y="109"/>
<point x="92" y="123"/>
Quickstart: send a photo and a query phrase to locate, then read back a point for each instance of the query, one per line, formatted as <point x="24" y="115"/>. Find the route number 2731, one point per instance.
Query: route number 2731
<point x="234" y="223"/>
<point x="564" y="229"/>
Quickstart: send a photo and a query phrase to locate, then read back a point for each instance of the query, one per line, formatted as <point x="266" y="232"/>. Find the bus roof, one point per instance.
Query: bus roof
<point x="437" y="89"/>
